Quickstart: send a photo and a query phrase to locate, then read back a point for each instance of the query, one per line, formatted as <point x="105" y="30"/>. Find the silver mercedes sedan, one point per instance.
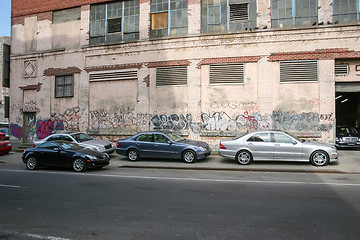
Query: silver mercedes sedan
<point x="82" y="139"/>
<point x="277" y="146"/>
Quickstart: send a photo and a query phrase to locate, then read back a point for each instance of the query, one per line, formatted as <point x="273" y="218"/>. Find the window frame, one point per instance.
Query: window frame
<point x="63" y="93"/>
<point x="337" y="17"/>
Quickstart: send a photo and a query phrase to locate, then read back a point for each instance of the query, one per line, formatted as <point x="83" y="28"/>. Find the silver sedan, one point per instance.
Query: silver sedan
<point x="277" y="146"/>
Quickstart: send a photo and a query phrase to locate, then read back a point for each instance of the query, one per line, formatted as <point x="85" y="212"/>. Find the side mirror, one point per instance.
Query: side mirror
<point x="57" y="149"/>
<point x="294" y="142"/>
<point x="170" y="142"/>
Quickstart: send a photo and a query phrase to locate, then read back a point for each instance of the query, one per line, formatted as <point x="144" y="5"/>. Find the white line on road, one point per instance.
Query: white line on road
<point x="197" y="179"/>
<point x="9" y="186"/>
<point x="32" y="235"/>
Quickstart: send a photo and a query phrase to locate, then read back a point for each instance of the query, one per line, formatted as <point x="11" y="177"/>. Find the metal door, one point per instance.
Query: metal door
<point x="30" y="127"/>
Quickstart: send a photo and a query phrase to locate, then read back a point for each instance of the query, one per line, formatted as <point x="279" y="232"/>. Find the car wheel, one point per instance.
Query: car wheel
<point x="32" y="163"/>
<point x="189" y="156"/>
<point x="244" y="157"/>
<point x="319" y="158"/>
<point x="133" y="155"/>
<point x="79" y="165"/>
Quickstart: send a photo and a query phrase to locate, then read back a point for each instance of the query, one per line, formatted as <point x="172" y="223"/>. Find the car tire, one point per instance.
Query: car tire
<point x="189" y="156"/>
<point x="32" y="163"/>
<point x="319" y="158"/>
<point x="133" y="155"/>
<point x="244" y="157"/>
<point x="79" y="165"/>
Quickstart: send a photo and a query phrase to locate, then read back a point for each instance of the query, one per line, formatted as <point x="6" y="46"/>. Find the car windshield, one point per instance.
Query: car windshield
<point x="175" y="137"/>
<point x="296" y="138"/>
<point x="81" y="137"/>
<point x="347" y="130"/>
<point x="70" y="146"/>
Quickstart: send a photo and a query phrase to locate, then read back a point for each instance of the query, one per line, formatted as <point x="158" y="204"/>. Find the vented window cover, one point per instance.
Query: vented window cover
<point x="229" y="73"/>
<point x="299" y="71"/>
<point x="341" y="69"/>
<point x="239" y="12"/>
<point x="113" y="76"/>
<point x="171" y="76"/>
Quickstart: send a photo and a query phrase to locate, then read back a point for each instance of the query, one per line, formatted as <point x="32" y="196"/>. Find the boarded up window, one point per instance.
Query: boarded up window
<point x="159" y="20"/>
<point x="64" y="86"/>
<point x="341" y="69"/>
<point x="114" y="25"/>
<point x="6" y="65"/>
<point x="239" y="12"/>
<point x="171" y="76"/>
<point x="227" y="73"/>
<point x="295" y="71"/>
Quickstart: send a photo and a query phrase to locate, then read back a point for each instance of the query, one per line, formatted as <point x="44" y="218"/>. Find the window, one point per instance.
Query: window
<point x="345" y="11"/>
<point x="295" y="71"/>
<point x="64" y="86"/>
<point x="260" y="137"/>
<point x="49" y="145"/>
<point x="6" y="66"/>
<point x="174" y="75"/>
<point x="281" y="138"/>
<point x="341" y="69"/>
<point x="144" y="138"/>
<point x="159" y="138"/>
<point x="55" y="138"/>
<point x="114" y="22"/>
<point x="226" y="73"/>
<point x="227" y="16"/>
<point x="289" y="13"/>
<point x="169" y="18"/>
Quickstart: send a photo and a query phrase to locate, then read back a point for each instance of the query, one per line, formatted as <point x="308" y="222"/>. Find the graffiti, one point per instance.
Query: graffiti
<point x="230" y="104"/>
<point x="29" y="106"/>
<point x="249" y="120"/>
<point x="16" y="131"/>
<point x="70" y="119"/>
<point x="47" y="127"/>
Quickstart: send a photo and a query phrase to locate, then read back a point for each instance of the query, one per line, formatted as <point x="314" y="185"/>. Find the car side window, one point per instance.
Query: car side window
<point x="282" y="138"/>
<point x="49" y="145"/>
<point x="260" y="137"/>
<point x="67" y="138"/>
<point x="54" y="138"/>
<point x="144" y="138"/>
<point x="161" y="138"/>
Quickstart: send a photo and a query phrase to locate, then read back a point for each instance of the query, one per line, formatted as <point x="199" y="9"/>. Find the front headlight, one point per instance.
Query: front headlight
<point x="91" y="157"/>
<point x="202" y="149"/>
<point x="100" y="148"/>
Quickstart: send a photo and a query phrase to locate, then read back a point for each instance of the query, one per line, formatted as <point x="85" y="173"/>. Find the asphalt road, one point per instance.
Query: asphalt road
<point x="177" y="204"/>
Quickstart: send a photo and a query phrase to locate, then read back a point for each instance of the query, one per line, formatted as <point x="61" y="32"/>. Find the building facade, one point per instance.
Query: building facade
<point x="4" y="75"/>
<point x="205" y="68"/>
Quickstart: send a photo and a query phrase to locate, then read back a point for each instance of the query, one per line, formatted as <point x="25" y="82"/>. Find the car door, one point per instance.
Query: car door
<point x="49" y="154"/>
<point x="286" y="148"/>
<point x="165" y="147"/>
<point x="145" y="144"/>
<point x="261" y="146"/>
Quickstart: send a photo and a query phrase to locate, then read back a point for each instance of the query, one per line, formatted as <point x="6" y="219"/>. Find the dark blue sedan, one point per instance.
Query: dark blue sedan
<point x="64" y="154"/>
<point x="162" y="145"/>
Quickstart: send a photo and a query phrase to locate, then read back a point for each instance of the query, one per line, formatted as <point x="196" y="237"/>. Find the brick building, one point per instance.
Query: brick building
<point x="206" y="68"/>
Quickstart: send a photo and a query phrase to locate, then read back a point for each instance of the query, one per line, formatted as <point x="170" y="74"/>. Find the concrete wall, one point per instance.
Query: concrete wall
<point x="112" y="109"/>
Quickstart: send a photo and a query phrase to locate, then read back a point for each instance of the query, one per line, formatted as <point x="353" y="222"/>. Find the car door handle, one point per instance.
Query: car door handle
<point x="277" y="145"/>
<point x="250" y="144"/>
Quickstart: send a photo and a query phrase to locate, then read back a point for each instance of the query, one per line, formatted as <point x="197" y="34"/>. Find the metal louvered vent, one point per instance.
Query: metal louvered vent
<point x="298" y="71"/>
<point x="239" y="12"/>
<point x="113" y="76"/>
<point x="227" y="73"/>
<point x="341" y="69"/>
<point x="171" y="76"/>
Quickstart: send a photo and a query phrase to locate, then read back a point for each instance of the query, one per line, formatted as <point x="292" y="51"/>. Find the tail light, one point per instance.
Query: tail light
<point x="118" y="144"/>
<point x="33" y="144"/>
<point x="222" y="146"/>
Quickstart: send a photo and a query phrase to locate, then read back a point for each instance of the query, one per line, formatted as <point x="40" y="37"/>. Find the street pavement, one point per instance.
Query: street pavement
<point x="349" y="163"/>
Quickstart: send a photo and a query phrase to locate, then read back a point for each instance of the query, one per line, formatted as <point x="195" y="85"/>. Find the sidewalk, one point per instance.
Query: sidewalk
<point x="349" y="163"/>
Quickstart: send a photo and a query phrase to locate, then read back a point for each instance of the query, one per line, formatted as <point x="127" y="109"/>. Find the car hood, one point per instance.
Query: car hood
<point x="95" y="142"/>
<point x="196" y="143"/>
<point x="90" y="152"/>
<point x="319" y="144"/>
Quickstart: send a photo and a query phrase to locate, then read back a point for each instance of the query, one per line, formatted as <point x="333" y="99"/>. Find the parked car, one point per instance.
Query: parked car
<point x="347" y="137"/>
<point x="82" y="139"/>
<point x="5" y="131"/>
<point x="5" y="146"/>
<point x="162" y="145"/>
<point x="64" y="154"/>
<point x="277" y="146"/>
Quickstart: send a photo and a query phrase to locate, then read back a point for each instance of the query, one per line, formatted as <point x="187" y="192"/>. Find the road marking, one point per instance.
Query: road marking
<point x="195" y="179"/>
<point x="9" y="186"/>
<point x="32" y="235"/>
